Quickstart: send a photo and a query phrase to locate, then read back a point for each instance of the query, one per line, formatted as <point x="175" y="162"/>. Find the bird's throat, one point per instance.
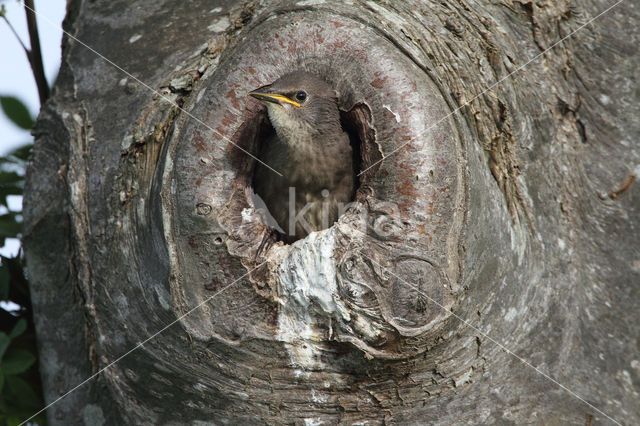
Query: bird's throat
<point x="290" y="131"/>
<point x="312" y="156"/>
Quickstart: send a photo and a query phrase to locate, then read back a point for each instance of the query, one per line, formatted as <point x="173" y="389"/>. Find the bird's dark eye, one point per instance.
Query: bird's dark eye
<point x="301" y="96"/>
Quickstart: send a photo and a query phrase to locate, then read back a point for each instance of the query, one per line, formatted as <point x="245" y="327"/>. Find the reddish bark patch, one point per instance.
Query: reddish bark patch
<point x="338" y="45"/>
<point x="222" y="132"/>
<point x="378" y="83"/>
<point x="198" y="142"/>
<point x="228" y="118"/>
<point x="193" y="243"/>
<point x="422" y="230"/>
<point x="407" y="188"/>
<point x="231" y="94"/>
<point x="214" y="284"/>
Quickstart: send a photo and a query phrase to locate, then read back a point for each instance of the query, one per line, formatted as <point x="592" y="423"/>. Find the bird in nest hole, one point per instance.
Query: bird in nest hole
<point x="312" y="152"/>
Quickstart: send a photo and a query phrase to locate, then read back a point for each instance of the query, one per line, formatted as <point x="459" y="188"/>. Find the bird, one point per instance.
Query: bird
<point x="310" y="149"/>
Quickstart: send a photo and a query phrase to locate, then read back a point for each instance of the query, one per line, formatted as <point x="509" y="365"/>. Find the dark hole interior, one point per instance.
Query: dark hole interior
<point x="354" y="139"/>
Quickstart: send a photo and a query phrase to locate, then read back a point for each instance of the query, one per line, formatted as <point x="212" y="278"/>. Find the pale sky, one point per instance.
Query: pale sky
<point x="16" y="78"/>
<point x="15" y="74"/>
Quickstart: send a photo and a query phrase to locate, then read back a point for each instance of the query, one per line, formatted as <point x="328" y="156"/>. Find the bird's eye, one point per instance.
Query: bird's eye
<point x="301" y="96"/>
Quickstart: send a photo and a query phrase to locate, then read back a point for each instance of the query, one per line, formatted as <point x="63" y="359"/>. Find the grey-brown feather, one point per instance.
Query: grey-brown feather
<point x="313" y="153"/>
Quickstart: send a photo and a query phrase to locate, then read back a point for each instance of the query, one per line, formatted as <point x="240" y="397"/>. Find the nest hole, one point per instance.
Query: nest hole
<point x="356" y="121"/>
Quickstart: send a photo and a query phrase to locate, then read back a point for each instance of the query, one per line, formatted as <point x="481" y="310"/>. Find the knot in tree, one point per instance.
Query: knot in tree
<point x="335" y="212"/>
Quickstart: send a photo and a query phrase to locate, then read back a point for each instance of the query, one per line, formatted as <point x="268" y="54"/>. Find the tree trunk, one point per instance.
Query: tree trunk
<point x="486" y="272"/>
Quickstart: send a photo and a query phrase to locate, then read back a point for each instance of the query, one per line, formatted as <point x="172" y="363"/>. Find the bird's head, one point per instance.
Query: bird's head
<point x="300" y="102"/>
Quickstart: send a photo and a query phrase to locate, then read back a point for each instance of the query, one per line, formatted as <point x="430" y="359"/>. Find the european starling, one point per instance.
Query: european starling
<point x="310" y="149"/>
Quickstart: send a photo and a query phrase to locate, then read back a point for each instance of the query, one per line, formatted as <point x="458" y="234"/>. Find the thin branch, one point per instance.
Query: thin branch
<point x="26" y="51"/>
<point x="35" y="56"/>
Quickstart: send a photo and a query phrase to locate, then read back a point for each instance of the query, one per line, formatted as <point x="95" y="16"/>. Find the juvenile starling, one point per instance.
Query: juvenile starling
<point x="310" y="149"/>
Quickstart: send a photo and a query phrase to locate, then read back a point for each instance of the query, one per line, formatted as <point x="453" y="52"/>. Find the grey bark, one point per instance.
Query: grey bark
<point x="506" y="215"/>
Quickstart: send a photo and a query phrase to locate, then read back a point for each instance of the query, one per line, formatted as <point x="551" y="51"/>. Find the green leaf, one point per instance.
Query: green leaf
<point x="17" y="112"/>
<point x="19" y="328"/>
<point x="4" y="281"/>
<point x="8" y="178"/>
<point x="4" y="343"/>
<point x="17" y="361"/>
<point x="14" y="420"/>
<point x="1" y="381"/>
<point x="9" y="227"/>
<point x="22" y="153"/>
<point x="23" y="392"/>
<point x="10" y="189"/>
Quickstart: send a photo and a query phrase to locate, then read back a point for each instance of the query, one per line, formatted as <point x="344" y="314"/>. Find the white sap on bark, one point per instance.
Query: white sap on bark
<point x="307" y="293"/>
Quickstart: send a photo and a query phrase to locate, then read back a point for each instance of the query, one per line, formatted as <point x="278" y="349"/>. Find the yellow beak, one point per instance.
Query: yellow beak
<point x="273" y="98"/>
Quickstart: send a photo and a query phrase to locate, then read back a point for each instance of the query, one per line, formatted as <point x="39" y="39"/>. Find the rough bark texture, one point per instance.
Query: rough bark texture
<point x="505" y="215"/>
